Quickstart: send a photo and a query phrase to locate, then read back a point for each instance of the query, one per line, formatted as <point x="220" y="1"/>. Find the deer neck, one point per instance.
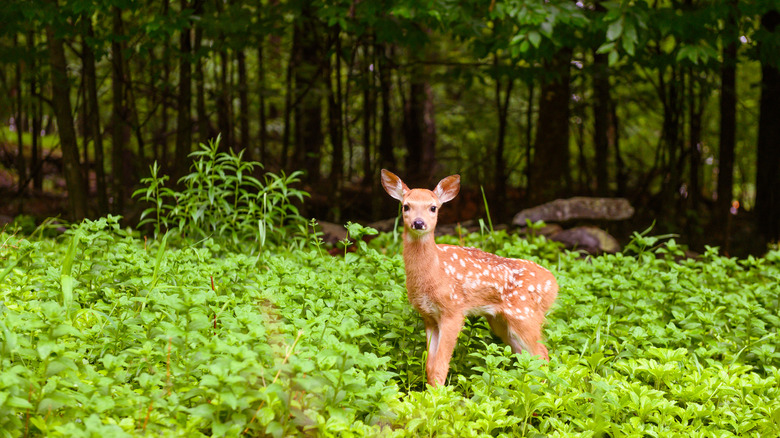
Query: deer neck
<point x="421" y="256"/>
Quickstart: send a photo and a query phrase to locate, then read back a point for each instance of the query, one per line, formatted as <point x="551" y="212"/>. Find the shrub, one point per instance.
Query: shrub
<point x="221" y="199"/>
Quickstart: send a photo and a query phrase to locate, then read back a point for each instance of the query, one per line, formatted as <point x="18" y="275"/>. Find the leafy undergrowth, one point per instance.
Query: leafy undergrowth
<point x="103" y="334"/>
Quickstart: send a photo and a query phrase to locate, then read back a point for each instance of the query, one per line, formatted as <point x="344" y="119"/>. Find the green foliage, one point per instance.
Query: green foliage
<point x="103" y="334"/>
<point x="221" y="199"/>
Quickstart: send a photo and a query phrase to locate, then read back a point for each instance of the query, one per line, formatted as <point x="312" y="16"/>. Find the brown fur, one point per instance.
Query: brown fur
<point x="446" y="283"/>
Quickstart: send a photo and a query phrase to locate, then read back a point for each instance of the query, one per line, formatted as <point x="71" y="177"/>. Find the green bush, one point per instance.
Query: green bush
<point x="220" y="199"/>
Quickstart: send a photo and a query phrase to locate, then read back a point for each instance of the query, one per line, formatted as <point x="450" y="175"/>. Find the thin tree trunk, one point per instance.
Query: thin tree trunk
<point x="165" y="95"/>
<point x="21" y="162"/>
<point x="502" y="107"/>
<point x="243" y="105"/>
<point x="768" y="156"/>
<point x="369" y="106"/>
<point x="93" y="117"/>
<point x="204" y="125"/>
<point x="36" y="155"/>
<point x="529" y="127"/>
<point x="583" y="183"/>
<point x="262" y="132"/>
<point x="695" y="109"/>
<point x="309" y="90"/>
<point x="184" y="101"/>
<point x="550" y="171"/>
<point x="601" y="114"/>
<point x="419" y="127"/>
<point x="84" y="121"/>
<point x="133" y="120"/>
<point x="288" y="99"/>
<point x="621" y="173"/>
<point x="601" y="121"/>
<point x="63" y="112"/>
<point x="728" y="129"/>
<point x="335" y="120"/>
<point x="386" y="156"/>
<point x="118" y="115"/>
<point x="223" y="104"/>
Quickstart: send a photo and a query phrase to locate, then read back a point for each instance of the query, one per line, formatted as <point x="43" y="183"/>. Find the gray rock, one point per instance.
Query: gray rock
<point x="590" y="239"/>
<point x="562" y="210"/>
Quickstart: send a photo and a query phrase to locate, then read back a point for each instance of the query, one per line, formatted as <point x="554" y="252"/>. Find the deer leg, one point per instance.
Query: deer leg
<point x="499" y="326"/>
<point x="526" y="334"/>
<point x="438" y="366"/>
<point x="432" y="338"/>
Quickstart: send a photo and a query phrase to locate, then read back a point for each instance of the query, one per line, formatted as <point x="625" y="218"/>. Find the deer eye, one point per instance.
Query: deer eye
<point x="433" y="209"/>
<point x="406" y="207"/>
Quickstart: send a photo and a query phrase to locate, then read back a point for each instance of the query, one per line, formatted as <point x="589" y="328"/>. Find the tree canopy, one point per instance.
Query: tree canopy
<point x="667" y="103"/>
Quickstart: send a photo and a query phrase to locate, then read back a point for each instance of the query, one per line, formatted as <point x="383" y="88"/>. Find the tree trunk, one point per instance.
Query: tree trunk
<point x="502" y="108"/>
<point x="386" y="156"/>
<point x="93" y="118"/>
<point x="768" y="157"/>
<point x="223" y="104"/>
<point x="243" y="106"/>
<point x="728" y="129"/>
<point x="204" y="125"/>
<point x="529" y="128"/>
<point x="695" y="112"/>
<point x="62" y="110"/>
<point x="262" y="132"/>
<point x="419" y="129"/>
<point x="335" y="120"/>
<point x="161" y="139"/>
<point x="288" y="99"/>
<point x="83" y="120"/>
<point x="550" y="173"/>
<point x="36" y="109"/>
<point x="601" y="121"/>
<point x="309" y="90"/>
<point x="184" y="101"/>
<point x="369" y="108"/>
<point x="621" y="172"/>
<point x="118" y="114"/>
<point x="21" y="163"/>
<point x="135" y="124"/>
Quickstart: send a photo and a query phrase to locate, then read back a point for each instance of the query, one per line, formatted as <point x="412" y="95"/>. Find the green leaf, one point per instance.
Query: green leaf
<point x="615" y="29"/>
<point x="534" y="38"/>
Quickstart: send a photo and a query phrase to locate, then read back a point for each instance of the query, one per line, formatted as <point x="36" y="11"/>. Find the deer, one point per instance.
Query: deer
<point x="448" y="283"/>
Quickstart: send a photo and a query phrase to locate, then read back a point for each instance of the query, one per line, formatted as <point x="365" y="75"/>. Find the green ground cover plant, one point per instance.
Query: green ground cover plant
<point x="213" y="325"/>
<point x="105" y="334"/>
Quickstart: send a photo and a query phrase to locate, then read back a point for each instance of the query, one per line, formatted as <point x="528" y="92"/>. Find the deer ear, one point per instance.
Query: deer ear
<point x="393" y="185"/>
<point x="447" y="188"/>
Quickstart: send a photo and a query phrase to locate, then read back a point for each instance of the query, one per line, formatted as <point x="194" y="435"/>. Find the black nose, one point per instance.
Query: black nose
<point x="418" y="224"/>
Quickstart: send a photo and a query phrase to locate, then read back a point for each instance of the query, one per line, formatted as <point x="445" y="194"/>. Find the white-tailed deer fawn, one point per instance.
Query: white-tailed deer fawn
<point x="447" y="283"/>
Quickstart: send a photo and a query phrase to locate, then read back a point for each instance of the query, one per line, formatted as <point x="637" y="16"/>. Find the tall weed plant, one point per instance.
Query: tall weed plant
<point x="221" y="199"/>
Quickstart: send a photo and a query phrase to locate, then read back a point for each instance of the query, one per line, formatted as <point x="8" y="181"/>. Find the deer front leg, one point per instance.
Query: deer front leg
<point x="438" y="366"/>
<point x="432" y="338"/>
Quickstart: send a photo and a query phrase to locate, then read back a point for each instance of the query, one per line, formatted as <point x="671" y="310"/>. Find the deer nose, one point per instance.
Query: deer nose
<point x="418" y="224"/>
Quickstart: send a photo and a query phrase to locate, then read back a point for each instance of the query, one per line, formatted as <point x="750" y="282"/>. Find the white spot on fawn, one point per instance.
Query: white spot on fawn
<point x="531" y="288"/>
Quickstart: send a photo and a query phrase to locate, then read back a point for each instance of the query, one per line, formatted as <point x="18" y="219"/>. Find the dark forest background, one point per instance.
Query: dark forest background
<point x="674" y="105"/>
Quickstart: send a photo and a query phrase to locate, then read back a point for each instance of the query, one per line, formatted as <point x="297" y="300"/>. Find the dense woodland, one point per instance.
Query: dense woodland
<point x="674" y="105"/>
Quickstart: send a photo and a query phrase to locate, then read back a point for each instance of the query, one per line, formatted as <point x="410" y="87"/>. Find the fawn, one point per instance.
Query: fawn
<point x="447" y="283"/>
